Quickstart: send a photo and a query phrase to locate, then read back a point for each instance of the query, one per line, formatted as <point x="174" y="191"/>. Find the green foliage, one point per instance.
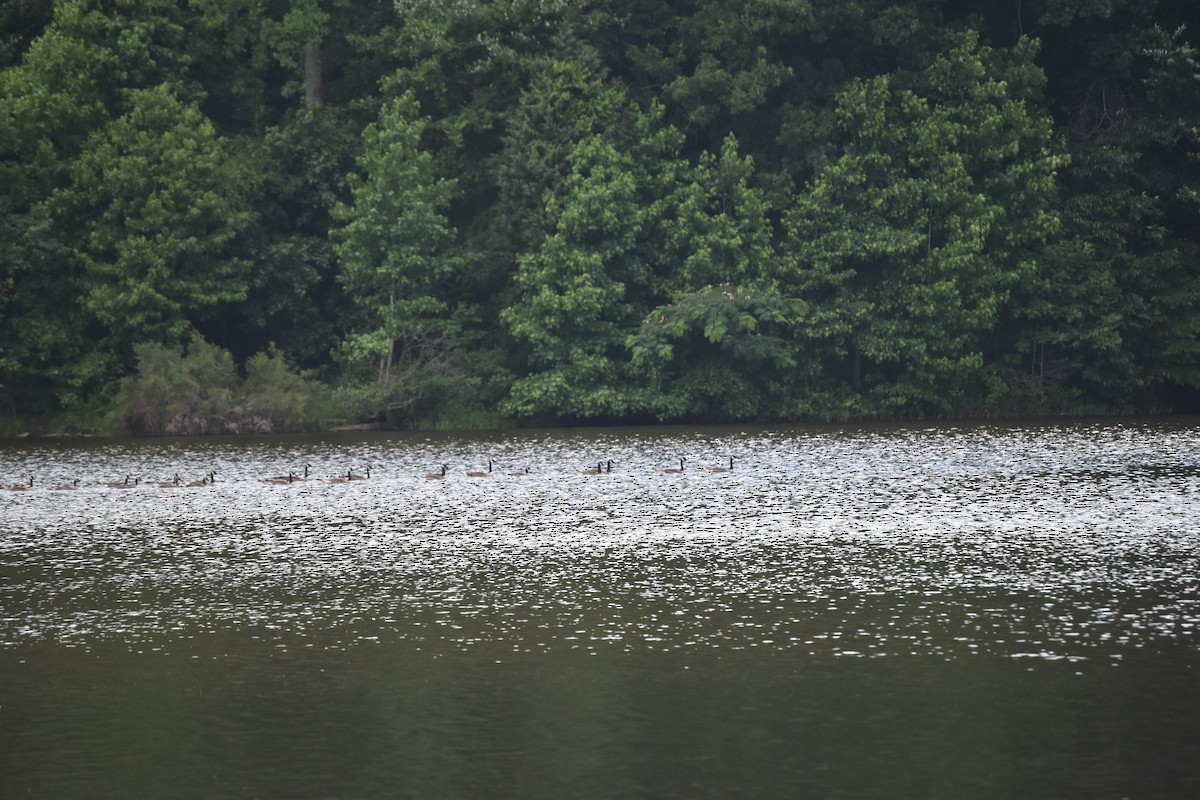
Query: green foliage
<point x="717" y="228"/>
<point x="198" y="391"/>
<point x="177" y="392"/>
<point x="394" y="247"/>
<point x="1113" y="320"/>
<point x="152" y="213"/>
<point x="72" y="82"/>
<point x="393" y="234"/>
<point x="457" y="208"/>
<point x="272" y="390"/>
<point x="565" y="105"/>
<point x="11" y="427"/>
<point x="21" y="21"/>
<point x="573" y="305"/>
<point x="293" y="294"/>
<point x="708" y="355"/>
<point x="456" y="417"/>
<point x="911" y="241"/>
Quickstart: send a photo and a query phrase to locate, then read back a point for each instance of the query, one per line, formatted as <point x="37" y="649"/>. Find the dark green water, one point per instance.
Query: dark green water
<point x="899" y="612"/>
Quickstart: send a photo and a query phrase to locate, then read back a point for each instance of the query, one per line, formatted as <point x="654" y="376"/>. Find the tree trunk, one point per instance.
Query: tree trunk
<point x="385" y="363"/>
<point x="312" y="73"/>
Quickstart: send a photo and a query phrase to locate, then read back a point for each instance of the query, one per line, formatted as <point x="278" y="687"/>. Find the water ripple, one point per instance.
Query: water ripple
<point x="1053" y="542"/>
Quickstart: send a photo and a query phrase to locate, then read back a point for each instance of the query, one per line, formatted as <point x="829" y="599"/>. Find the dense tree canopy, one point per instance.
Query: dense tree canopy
<point x="568" y="211"/>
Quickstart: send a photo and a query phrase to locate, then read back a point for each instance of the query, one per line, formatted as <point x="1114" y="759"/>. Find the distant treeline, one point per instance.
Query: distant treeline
<point x="424" y="212"/>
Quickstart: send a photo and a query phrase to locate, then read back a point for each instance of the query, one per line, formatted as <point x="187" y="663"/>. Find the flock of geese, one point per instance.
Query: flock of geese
<point x="601" y="468"/>
<point x="133" y="482"/>
<point x="130" y="482"/>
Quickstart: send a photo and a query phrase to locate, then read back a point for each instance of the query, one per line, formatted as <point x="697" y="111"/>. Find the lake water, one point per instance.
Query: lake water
<point x="941" y="611"/>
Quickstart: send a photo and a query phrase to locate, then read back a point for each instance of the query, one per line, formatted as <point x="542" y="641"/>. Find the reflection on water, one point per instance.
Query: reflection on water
<point x="1036" y="543"/>
<point x="922" y="591"/>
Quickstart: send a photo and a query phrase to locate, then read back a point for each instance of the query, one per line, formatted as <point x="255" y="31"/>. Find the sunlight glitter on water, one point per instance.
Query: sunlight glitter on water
<point x="1051" y="542"/>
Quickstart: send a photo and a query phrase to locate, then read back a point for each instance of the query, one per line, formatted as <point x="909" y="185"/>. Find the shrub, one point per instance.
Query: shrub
<point x="198" y="391"/>
<point x="290" y="400"/>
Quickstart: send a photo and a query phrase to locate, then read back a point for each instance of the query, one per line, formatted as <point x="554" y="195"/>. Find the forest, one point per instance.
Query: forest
<point x="273" y="215"/>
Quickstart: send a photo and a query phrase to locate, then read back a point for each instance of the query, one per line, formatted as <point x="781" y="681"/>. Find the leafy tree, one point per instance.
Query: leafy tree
<point x="294" y="297"/>
<point x="912" y="239"/>
<point x="714" y="353"/>
<point x="473" y="66"/>
<point x="153" y="211"/>
<point x="707" y="357"/>
<point x="1117" y="324"/>
<point x="717" y="227"/>
<point x="296" y="40"/>
<point x="46" y="358"/>
<point x="394" y="246"/>
<point x="572" y="307"/>
<point x="461" y="202"/>
<point x="565" y="105"/>
<point x="72" y="83"/>
<point x="258" y="60"/>
<point x="233" y="59"/>
<point x="728" y="65"/>
<point x="1169" y="327"/>
<point x="573" y="141"/>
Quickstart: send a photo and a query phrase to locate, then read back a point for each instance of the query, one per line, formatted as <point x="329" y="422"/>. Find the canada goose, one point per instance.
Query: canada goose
<point x="291" y="478"/>
<point x="339" y="478"/>
<point x="350" y="476"/>
<point x="599" y="470"/>
<point x="673" y="471"/>
<point x="72" y="485"/>
<point x="723" y="469"/>
<point x="434" y="476"/>
<point x="478" y="474"/>
<point x="169" y="484"/>
<point x="520" y="473"/>
<point x="21" y="487"/>
<point x="125" y="484"/>
<point x="202" y="482"/>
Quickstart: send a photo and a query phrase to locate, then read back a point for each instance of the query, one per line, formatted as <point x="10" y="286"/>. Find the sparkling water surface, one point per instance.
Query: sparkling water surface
<point x="633" y="633"/>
